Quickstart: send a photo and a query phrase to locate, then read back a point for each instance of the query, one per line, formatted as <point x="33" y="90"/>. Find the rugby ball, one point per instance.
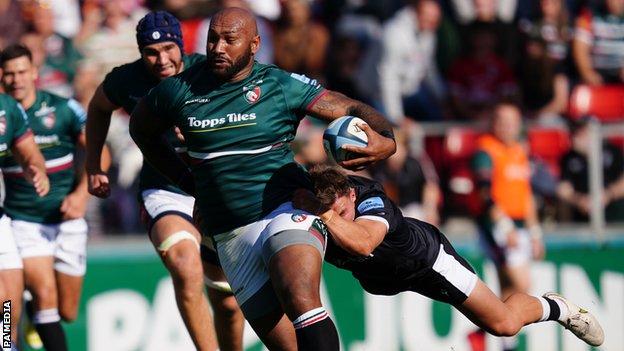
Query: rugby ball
<point x="344" y="131"/>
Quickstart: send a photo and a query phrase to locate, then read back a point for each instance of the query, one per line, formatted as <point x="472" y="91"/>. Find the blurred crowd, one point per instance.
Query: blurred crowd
<point x="415" y="60"/>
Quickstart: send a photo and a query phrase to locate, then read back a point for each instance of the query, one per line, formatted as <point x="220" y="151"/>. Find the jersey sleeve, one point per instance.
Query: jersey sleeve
<point x="163" y="99"/>
<point x="19" y="122"/>
<point x="78" y="117"/>
<point x="113" y="86"/>
<point x="300" y="92"/>
<point x="376" y="206"/>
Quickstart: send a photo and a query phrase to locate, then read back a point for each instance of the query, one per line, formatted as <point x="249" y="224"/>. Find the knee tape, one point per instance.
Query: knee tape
<point x="216" y="285"/>
<point x="176" y="238"/>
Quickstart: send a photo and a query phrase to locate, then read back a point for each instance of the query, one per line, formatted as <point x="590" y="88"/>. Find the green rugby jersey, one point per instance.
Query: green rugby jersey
<point x="124" y="86"/>
<point x="13" y="127"/>
<point x="237" y="135"/>
<point x="56" y="122"/>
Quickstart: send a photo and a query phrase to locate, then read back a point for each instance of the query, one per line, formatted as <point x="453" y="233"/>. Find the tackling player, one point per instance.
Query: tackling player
<point x="389" y="254"/>
<point x="238" y="118"/>
<point x="16" y="140"/>
<point x="168" y="210"/>
<point x="50" y="232"/>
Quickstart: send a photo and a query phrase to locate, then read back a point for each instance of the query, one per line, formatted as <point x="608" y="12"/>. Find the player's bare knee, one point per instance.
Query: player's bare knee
<point x="44" y="295"/>
<point x="226" y="306"/>
<point x="184" y="264"/>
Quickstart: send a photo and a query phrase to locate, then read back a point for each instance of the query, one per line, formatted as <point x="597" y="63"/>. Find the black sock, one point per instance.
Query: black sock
<point x="555" y="311"/>
<point x="316" y="332"/>
<point x="48" y="325"/>
<point x="29" y="308"/>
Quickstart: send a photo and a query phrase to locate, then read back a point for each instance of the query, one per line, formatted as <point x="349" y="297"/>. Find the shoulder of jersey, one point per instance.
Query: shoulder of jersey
<point x="126" y="70"/>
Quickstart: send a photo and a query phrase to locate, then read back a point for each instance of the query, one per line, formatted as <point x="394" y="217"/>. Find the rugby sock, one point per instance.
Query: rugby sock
<point x="48" y="325"/>
<point x="553" y="310"/>
<point x="316" y="332"/>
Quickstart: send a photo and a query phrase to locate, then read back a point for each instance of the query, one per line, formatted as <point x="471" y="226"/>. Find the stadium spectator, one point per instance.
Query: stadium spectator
<point x="545" y="54"/>
<point x="574" y="185"/>
<point x="67" y="19"/>
<point x="300" y="44"/>
<point x="343" y="66"/>
<point x="480" y="78"/>
<point x="10" y="27"/>
<point x="485" y="13"/>
<point x="51" y="78"/>
<point x="508" y="225"/>
<point x="467" y="11"/>
<point x="113" y="42"/>
<point x="405" y="72"/>
<point x="61" y="55"/>
<point x="410" y="181"/>
<point x="598" y="45"/>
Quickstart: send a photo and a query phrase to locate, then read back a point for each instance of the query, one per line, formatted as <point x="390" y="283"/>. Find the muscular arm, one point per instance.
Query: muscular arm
<point x="27" y="154"/>
<point x="98" y="122"/>
<point x="332" y="105"/>
<point x="147" y="131"/>
<point x="359" y="237"/>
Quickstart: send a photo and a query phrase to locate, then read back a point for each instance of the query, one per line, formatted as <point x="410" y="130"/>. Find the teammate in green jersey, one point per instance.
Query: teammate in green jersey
<point x="16" y="140"/>
<point x="238" y="118"/>
<point x="50" y="232"/>
<point x="167" y="208"/>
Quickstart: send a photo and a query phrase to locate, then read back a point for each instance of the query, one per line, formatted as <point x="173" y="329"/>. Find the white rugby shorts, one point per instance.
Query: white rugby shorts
<point x="65" y="241"/>
<point x="9" y="255"/>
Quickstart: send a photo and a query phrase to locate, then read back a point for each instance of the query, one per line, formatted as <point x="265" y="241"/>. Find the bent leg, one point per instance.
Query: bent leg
<point x="177" y="242"/>
<point x="295" y="273"/>
<point x="500" y="318"/>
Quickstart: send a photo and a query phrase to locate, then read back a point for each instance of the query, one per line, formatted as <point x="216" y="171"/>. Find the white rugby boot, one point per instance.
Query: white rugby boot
<point x="580" y="322"/>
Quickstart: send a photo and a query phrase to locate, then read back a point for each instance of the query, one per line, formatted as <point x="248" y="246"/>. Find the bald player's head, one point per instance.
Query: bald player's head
<point x="232" y="43"/>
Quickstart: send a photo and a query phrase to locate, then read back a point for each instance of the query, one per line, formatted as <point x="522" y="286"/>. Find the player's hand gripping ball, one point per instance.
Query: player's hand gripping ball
<point x="344" y="131"/>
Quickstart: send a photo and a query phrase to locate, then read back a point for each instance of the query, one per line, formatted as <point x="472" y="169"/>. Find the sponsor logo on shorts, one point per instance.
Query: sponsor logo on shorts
<point x="298" y="217"/>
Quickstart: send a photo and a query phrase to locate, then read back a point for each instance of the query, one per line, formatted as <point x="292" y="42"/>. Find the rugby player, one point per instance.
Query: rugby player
<point x="16" y="139"/>
<point x="388" y="254"/>
<point x="238" y="118"/>
<point x="167" y="210"/>
<point x="50" y="232"/>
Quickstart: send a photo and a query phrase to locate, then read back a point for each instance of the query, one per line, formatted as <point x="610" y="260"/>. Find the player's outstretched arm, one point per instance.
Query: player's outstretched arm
<point x="147" y="130"/>
<point x="27" y="154"/>
<point x="98" y="158"/>
<point x="381" y="145"/>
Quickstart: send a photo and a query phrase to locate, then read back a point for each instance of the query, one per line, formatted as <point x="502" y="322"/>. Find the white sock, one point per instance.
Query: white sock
<point x="545" y="308"/>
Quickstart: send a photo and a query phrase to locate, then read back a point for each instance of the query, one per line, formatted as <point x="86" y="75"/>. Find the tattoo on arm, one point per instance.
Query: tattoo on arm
<point x="333" y="105"/>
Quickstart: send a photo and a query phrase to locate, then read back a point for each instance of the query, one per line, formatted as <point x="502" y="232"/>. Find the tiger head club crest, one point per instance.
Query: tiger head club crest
<point x="49" y="120"/>
<point x="252" y="94"/>
<point x="47" y="115"/>
<point x="3" y="124"/>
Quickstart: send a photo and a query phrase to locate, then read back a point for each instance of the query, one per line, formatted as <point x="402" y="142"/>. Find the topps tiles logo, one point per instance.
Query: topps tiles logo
<point x="217" y="122"/>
